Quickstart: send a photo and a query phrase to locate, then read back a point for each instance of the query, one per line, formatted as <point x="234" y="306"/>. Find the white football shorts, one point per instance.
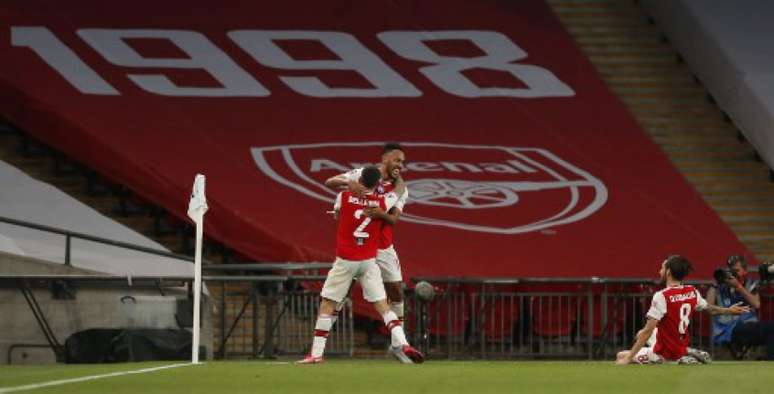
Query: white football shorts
<point x="647" y="356"/>
<point x="343" y="272"/>
<point x="389" y="264"/>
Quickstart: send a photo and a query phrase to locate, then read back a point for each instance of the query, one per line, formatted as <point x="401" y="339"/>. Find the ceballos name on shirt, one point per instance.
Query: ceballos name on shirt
<point x="682" y="297"/>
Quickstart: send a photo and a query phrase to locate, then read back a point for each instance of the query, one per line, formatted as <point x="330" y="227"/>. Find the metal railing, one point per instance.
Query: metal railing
<point x="70" y="235"/>
<point x="269" y="309"/>
<point x="541" y="317"/>
<point x="261" y="316"/>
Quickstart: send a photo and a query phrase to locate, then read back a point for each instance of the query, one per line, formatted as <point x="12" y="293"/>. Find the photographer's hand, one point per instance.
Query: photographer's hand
<point x="753" y="299"/>
<point x="733" y="283"/>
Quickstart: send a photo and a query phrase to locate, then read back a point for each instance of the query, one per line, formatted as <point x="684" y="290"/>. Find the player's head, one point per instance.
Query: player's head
<point x="738" y="265"/>
<point x="393" y="157"/>
<point x="370" y="177"/>
<point x="675" y="267"/>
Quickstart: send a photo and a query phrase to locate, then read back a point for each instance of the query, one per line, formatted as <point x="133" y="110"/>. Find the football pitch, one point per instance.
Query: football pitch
<point x="382" y="376"/>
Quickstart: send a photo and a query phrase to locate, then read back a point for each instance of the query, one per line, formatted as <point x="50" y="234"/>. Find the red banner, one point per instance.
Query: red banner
<point x="520" y="161"/>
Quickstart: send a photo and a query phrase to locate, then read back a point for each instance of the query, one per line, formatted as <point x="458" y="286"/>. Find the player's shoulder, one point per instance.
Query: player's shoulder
<point x="662" y="292"/>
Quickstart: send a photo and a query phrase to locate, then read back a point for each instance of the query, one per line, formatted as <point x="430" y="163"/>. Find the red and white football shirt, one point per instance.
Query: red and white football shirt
<point x="386" y="238"/>
<point x="358" y="235"/>
<point x="673" y="308"/>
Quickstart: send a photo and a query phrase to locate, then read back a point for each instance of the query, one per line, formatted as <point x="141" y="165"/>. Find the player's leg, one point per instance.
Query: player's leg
<point x="334" y="290"/>
<point x="700" y="355"/>
<point x="373" y="291"/>
<point x="340" y="305"/>
<point x="322" y="328"/>
<point x="389" y="265"/>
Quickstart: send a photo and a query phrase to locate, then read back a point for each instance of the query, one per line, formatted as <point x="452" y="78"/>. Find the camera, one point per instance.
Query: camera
<point x="766" y="271"/>
<point x="723" y="274"/>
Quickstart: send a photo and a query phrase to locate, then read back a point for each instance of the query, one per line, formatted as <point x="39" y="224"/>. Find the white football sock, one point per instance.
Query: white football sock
<point x="395" y="328"/>
<point x="321" y="330"/>
<point x="397" y="307"/>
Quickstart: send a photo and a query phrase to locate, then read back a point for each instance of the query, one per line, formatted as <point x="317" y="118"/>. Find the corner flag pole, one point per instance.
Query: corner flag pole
<point x="197" y="206"/>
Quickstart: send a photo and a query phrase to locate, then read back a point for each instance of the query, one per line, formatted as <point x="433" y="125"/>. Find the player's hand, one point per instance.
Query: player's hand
<point x="626" y="360"/>
<point x="738" y="308"/>
<point x="356" y="188"/>
<point x="374" y="212"/>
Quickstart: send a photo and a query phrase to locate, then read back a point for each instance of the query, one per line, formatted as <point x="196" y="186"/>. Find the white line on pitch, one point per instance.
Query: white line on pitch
<point x="86" y="378"/>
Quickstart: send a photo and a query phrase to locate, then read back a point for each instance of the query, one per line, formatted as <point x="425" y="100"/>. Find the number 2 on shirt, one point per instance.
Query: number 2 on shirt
<point x="359" y="233"/>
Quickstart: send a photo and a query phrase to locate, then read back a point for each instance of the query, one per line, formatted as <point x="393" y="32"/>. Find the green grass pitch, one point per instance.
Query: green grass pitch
<point x="382" y="376"/>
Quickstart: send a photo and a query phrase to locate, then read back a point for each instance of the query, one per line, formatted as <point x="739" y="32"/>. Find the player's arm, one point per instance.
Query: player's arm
<point x="394" y="202"/>
<point x="736" y="309"/>
<point x="349" y="180"/>
<point x="337" y="206"/>
<point x="642" y="338"/>
<point x="338" y="182"/>
<point x="390" y="216"/>
<point x="657" y="311"/>
<point x="712" y="307"/>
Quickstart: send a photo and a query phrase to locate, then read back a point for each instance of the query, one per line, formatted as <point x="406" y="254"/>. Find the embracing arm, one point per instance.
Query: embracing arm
<point x="338" y="182"/>
<point x="349" y="180"/>
<point x="394" y="201"/>
<point x="390" y="216"/>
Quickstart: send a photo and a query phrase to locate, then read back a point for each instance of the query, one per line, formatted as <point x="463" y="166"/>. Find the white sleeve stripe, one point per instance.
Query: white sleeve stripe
<point x="657" y="307"/>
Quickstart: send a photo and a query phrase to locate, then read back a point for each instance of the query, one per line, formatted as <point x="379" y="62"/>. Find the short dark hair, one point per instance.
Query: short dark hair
<point x="370" y="176"/>
<point x="391" y="146"/>
<point x="736" y="258"/>
<point x="679" y="266"/>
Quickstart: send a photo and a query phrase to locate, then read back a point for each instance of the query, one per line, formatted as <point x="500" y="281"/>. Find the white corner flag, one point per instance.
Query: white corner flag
<point x="196" y="209"/>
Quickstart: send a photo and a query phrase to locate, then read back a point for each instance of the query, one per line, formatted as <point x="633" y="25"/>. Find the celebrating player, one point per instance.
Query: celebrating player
<point x="356" y="244"/>
<point x="671" y="311"/>
<point x="391" y="166"/>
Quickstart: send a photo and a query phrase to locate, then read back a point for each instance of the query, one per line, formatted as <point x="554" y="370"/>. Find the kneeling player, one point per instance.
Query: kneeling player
<point x="671" y="311"/>
<point x="356" y="245"/>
